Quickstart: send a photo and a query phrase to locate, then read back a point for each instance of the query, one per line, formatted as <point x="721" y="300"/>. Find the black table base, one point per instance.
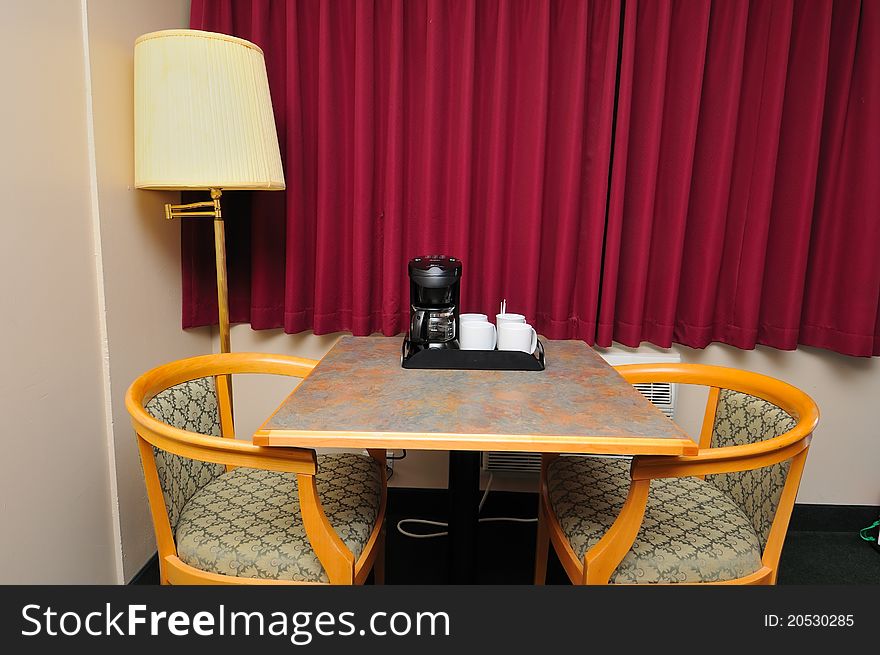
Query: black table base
<point x="464" y="499"/>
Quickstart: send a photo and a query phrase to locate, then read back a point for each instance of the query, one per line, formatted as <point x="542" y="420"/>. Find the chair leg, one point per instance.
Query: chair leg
<point x="542" y="547"/>
<point x="163" y="578"/>
<point x="379" y="562"/>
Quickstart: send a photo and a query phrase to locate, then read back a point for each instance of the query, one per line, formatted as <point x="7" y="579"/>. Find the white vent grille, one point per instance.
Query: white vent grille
<point x="661" y="394"/>
<point x="512" y="462"/>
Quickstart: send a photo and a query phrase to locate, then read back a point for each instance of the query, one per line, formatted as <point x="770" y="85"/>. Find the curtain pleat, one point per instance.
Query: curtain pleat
<point x="790" y="224"/>
<point x="842" y="293"/>
<point x="710" y="184"/>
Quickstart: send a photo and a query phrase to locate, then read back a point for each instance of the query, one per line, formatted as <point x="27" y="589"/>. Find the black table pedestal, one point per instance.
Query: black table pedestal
<point x="464" y="499"/>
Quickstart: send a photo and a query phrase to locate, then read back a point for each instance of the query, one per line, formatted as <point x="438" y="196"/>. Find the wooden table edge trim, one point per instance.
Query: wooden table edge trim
<point x="509" y="442"/>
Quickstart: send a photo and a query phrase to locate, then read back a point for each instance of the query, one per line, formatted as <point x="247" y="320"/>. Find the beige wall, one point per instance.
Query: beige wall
<point x="140" y="249"/>
<point x="841" y="468"/>
<point x="55" y="499"/>
<point x="90" y="275"/>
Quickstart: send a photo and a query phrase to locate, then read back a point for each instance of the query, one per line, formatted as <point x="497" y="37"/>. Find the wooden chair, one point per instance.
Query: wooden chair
<point x="716" y="517"/>
<point x="230" y="512"/>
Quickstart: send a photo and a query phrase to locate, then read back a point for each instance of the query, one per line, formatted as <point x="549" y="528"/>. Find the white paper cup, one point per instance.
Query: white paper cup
<point x="517" y="336"/>
<point x="477" y="335"/>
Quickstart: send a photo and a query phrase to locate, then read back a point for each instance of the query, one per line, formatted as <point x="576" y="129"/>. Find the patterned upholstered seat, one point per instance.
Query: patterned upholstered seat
<point x="247" y="522"/>
<point x="692" y="531"/>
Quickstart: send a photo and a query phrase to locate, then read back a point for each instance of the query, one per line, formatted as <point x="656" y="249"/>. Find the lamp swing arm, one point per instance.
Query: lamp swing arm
<point x="180" y="211"/>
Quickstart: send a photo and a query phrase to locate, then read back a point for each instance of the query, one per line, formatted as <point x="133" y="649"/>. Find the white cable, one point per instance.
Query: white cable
<point x="444" y="524"/>
<point x="441" y="524"/>
<point x="485" y="494"/>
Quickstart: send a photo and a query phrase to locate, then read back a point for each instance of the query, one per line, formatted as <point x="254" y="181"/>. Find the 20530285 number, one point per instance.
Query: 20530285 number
<point x="809" y="620"/>
<point x="820" y="620"/>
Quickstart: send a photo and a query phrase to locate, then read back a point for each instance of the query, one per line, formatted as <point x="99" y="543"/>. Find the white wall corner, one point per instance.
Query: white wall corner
<point x="101" y="301"/>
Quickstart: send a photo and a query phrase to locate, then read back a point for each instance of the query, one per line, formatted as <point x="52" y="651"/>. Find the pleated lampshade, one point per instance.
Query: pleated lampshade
<point x="203" y="114"/>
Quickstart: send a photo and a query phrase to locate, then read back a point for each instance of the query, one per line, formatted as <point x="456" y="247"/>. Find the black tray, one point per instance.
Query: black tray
<point x="415" y="356"/>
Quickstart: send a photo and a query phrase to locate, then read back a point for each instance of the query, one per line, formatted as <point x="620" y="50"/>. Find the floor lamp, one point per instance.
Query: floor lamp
<point x="203" y="121"/>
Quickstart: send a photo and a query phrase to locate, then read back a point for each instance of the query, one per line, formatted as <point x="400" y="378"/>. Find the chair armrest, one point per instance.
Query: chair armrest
<point x="209" y="448"/>
<point x="729" y="458"/>
<point x="173" y="373"/>
<point x="710" y="461"/>
<point x="228" y="452"/>
<point x="605" y="556"/>
<point x="791" y="399"/>
<point x="334" y="555"/>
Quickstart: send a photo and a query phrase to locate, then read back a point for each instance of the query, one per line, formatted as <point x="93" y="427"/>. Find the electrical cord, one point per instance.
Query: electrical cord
<point x="444" y="524"/>
<point x="428" y="535"/>
<point x="864" y="533"/>
<point x="389" y="470"/>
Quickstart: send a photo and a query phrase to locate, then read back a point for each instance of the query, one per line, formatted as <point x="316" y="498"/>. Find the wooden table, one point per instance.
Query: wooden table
<point x="359" y="397"/>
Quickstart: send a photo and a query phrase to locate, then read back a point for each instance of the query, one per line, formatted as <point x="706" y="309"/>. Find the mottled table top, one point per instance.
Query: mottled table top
<point x="359" y="396"/>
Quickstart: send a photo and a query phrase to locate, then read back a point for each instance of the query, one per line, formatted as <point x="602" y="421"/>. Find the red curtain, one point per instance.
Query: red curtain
<point x="743" y="204"/>
<point x="476" y="128"/>
<point x="745" y="197"/>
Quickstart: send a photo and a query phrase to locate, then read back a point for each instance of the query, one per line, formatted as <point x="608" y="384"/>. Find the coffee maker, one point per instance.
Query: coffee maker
<point x="432" y="339"/>
<point x="434" y="288"/>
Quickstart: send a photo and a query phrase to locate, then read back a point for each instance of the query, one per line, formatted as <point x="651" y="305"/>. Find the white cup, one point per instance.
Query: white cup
<point x="509" y="318"/>
<point x="477" y="335"/>
<point x="517" y="336"/>
<point x="473" y="317"/>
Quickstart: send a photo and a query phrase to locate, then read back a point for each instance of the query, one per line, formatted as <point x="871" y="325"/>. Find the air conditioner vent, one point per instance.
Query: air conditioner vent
<point x="661" y="394"/>
<point x="512" y="462"/>
<point x="657" y="393"/>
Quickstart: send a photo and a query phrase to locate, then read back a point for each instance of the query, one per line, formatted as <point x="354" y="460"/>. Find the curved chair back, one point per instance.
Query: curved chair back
<point x="145" y="396"/>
